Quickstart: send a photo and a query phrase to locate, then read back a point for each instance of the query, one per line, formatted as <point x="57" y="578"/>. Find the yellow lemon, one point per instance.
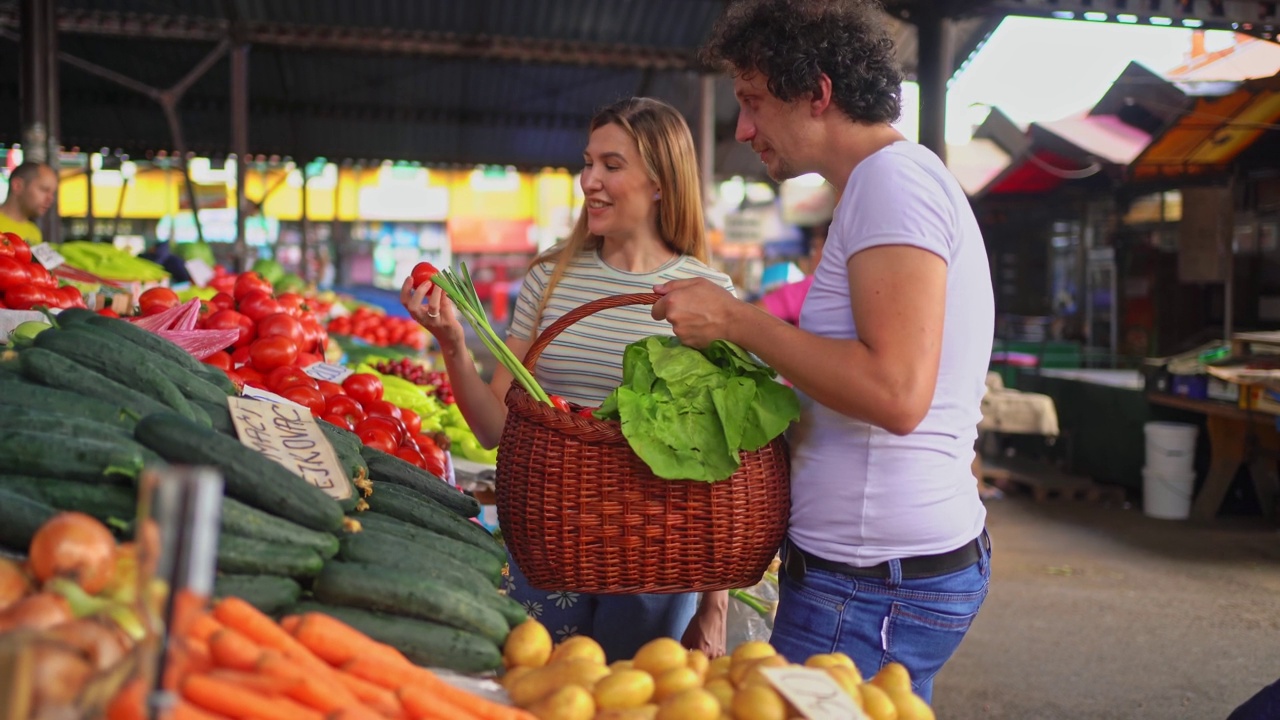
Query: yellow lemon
<point x="912" y="707"/>
<point x="846" y="678"/>
<point x="617" y="665"/>
<point x="659" y="655"/>
<point x="644" y="712"/>
<point x="893" y="678"/>
<point x="528" y="645"/>
<point x="695" y="704"/>
<point x="514" y="674"/>
<point x="578" y="647"/>
<point x="876" y="703"/>
<point x="748" y="671"/>
<point x="722" y="689"/>
<point x="751" y="650"/>
<point x="845" y="659"/>
<point x="758" y="702"/>
<point x="674" y="681"/>
<point x="719" y="667"/>
<point x="568" y="703"/>
<point x="624" y="689"/>
<point x="699" y="662"/>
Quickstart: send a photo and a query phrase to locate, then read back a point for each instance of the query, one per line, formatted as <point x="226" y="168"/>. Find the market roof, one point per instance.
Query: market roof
<point x="439" y="81"/>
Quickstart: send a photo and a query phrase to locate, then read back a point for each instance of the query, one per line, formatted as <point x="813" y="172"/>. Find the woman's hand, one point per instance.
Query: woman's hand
<point x="706" y="631"/>
<point x="434" y="311"/>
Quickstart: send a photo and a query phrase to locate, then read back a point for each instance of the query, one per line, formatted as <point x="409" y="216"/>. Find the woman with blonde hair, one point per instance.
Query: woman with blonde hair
<point x="641" y="225"/>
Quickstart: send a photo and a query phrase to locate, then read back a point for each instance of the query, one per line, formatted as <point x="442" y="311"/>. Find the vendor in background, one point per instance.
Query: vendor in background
<point x="641" y="225"/>
<point x="32" y="189"/>
<point x="785" y="302"/>
<point x="886" y="556"/>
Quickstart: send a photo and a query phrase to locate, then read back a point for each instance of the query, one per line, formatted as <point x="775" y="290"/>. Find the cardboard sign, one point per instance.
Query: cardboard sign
<point x="814" y="693"/>
<point x="47" y="255"/>
<point x="328" y="371"/>
<point x="286" y="433"/>
<point x="200" y="272"/>
<point x="257" y="393"/>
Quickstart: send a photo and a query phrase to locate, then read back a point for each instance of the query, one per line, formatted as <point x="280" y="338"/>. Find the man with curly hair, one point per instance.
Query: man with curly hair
<point x="886" y="557"/>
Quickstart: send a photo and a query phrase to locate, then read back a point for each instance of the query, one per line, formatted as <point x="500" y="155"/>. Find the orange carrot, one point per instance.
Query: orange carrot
<point x="186" y="656"/>
<point x="230" y="649"/>
<point x="387" y="673"/>
<point x="355" y="712"/>
<point x="187" y="711"/>
<point x="202" y="626"/>
<point x="428" y="699"/>
<point x="233" y="700"/>
<point x="337" y="643"/>
<point x="317" y="693"/>
<point x="251" y="622"/>
<point x="257" y="682"/>
<point x="374" y="696"/>
<point x="289" y="622"/>
<point x="127" y="704"/>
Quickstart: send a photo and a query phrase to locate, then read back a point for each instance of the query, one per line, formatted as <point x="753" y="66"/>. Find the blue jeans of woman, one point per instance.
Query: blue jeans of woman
<point x="620" y="623"/>
<point x="918" y="622"/>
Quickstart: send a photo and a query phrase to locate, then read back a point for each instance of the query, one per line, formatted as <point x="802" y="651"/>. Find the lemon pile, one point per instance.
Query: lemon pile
<point x="664" y="681"/>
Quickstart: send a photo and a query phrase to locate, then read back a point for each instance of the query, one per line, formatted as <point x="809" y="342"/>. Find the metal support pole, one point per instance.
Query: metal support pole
<point x="180" y="150"/>
<point x="51" y="223"/>
<point x="707" y="135"/>
<point x="240" y="145"/>
<point x="304" y="242"/>
<point x="934" y="69"/>
<point x="88" y="205"/>
<point x="38" y="36"/>
<point x="334" y="242"/>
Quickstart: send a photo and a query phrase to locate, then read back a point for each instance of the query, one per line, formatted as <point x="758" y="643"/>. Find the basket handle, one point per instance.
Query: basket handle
<point x="573" y="316"/>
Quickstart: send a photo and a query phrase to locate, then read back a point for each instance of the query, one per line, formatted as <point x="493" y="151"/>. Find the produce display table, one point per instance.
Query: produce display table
<point x="1236" y="437"/>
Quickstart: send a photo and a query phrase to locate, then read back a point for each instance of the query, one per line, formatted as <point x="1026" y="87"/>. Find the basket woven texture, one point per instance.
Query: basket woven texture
<point x="581" y="512"/>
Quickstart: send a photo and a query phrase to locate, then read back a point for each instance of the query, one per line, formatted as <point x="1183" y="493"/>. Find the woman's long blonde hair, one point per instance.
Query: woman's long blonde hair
<point x="666" y="146"/>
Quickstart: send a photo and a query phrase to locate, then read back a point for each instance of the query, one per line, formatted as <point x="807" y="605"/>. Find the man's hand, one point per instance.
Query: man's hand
<point x="699" y="310"/>
<point x="706" y="630"/>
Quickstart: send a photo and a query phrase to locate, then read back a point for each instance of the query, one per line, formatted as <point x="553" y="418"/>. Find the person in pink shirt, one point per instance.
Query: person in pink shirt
<point x="786" y="301"/>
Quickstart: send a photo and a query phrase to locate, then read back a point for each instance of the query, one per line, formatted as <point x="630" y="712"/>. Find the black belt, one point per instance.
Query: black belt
<point x="796" y="561"/>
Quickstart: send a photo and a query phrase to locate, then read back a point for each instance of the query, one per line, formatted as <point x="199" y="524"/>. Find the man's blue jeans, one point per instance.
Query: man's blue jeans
<point x="918" y="622"/>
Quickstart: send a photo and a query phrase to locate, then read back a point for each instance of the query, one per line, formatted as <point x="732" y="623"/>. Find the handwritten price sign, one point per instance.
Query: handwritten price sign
<point x="286" y="433"/>
<point x="328" y="371"/>
<point x="47" y="256"/>
<point x="814" y="693"/>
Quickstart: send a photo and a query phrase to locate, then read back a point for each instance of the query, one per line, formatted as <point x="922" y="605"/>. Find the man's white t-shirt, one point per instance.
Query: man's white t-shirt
<point x="860" y="494"/>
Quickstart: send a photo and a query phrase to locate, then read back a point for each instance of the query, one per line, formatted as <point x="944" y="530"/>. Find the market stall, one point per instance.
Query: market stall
<point x="318" y="562"/>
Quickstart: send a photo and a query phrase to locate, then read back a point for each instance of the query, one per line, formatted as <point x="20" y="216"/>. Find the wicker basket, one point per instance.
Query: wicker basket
<point x="581" y="512"/>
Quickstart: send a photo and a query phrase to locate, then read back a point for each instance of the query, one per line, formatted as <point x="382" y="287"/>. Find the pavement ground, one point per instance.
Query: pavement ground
<point x="1098" y="612"/>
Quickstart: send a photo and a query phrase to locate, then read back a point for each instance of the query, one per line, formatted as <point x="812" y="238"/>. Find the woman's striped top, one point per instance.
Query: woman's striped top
<point x="584" y="364"/>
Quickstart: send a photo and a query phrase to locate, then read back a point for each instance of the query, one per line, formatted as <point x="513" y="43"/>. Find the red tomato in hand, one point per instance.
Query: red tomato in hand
<point x="364" y="387"/>
<point x="15" y="247"/>
<point x="423" y="272"/>
<point x="156" y="300"/>
<point x="267" y="354"/>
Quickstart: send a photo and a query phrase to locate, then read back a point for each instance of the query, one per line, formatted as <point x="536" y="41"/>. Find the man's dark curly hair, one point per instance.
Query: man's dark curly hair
<point x="794" y="41"/>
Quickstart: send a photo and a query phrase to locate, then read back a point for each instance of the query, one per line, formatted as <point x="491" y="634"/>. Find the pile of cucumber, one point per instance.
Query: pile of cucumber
<point x="93" y="400"/>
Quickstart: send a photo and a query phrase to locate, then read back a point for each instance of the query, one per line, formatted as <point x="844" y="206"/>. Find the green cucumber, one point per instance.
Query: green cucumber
<point x="192" y="386"/>
<point x="352" y="462"/>
<point x="20" y="518"/>
<point x="392" y="469"/>
<point x="25" y="452"/>
<point x="261" y="557"/>
<point x="375" y="548"/>
<point x="428" y="541"/>
<point x="268" y="593"/>
<point x="71" y="427"/>
<point x="219" y="415"/>
<point x="100" y="500"/>
<point x="71" y="317"/>
<point x="370" y="587"/>
<point x="424" y="643"/>
<point x="410" y="506"/>
<point x="54" y="370"/>
<point x="118" y="361"/>
<point x="249" y="476"/>
<point x="217" y="377"/>
<point x="35" y="396"/>
<point x="246" y="521"/>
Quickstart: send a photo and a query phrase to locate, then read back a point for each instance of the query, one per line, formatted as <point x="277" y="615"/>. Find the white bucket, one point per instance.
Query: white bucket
<point x="1167" y="495"/>
<point x="1171" y="447"/>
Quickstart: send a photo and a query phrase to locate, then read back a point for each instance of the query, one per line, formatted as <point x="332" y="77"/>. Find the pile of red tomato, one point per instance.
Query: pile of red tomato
<point x="274" y="330"/>
<point x="380" y="329"/>
<point x="25" y="283"/>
